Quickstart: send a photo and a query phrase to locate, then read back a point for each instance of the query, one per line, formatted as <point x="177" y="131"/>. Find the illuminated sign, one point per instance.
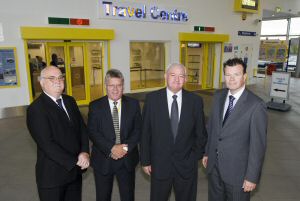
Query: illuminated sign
<point x="141" y="12"/>
<point x="68" y="21"/>
<point x="250" y="4"/>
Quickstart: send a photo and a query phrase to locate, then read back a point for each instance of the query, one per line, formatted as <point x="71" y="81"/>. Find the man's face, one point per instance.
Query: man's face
<point x="175" y="78"/>
<point x="52" y="81"/>
<point x="234" y="78"/>
<point x="114" y="88"/>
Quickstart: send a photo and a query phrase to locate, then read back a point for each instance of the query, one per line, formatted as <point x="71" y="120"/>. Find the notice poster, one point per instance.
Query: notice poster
<point x="8" y="67"/>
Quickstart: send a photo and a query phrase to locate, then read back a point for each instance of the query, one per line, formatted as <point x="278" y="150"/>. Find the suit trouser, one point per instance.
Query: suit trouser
<point x="126" y="183"/>
<point x="67" y="192"/>
<point x="218" y="190"/>
<point x="185" y="189"/>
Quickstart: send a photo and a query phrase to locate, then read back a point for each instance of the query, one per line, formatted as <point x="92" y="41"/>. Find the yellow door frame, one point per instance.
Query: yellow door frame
<point x="54" y="33"/>
<point x="205" y="39"/>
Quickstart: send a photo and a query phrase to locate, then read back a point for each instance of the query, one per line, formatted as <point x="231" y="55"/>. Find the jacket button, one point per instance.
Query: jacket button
<point x="220" y="139"/>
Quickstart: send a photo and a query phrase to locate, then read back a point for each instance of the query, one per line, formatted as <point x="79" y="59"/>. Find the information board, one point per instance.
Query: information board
<point x="280" y="85"/>
<point x="8" y="67"/>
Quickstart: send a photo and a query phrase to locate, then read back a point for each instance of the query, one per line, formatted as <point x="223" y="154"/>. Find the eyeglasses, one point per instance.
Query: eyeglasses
<point x="111" y="86"/>
<point x="53" y="78"/>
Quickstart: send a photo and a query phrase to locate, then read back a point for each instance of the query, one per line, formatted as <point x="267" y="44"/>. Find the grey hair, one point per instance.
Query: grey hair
<point x="172" y="65"/>
<point x="113" y="73"/>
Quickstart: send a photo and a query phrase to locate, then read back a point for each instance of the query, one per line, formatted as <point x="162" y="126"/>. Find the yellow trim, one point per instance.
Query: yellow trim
<point x="87" y="73"/>
<point x="204" y="66"/>
<point x="199" y="37"/>
<point x="28" y="71"/>
<point x="221" y="66"/>
<point x="17" y="68"/>
<point x="238" y="7"/>
<point x="51" y="33"/>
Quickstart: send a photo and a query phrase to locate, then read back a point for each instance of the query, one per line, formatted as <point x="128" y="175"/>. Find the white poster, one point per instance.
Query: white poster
<point x="280" y="85"/>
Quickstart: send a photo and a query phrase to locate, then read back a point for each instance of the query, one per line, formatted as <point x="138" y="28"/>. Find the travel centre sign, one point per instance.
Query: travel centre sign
<point x="141" y="12"/>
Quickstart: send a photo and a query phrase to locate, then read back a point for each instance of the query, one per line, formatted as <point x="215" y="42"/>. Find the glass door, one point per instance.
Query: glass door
<point x="56" y="56"/>
<point x="70" y="59"/>
<point x="77" y="72"/>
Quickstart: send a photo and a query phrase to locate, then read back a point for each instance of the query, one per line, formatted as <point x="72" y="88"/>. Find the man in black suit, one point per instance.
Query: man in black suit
<point x="57" y="127"/>
<point x="173" y="138"/>
<point x="237" y="132"/>
<point x="114" y="124"/>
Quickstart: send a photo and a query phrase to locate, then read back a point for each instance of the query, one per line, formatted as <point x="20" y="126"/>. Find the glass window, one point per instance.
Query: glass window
<point x="147" y="65"/>
<point x="274" y="27"/>
<point x="295" y="26"/>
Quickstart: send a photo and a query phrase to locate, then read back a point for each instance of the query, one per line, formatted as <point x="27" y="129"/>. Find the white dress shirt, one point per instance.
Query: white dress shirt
<point x="62" y="102"/>
<point x="237" y="95"/>
<point x="170" y="101"/>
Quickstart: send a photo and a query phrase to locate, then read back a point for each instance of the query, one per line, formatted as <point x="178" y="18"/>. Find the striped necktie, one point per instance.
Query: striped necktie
<point x="229" y="108"/>
<point x="115" y="117"/>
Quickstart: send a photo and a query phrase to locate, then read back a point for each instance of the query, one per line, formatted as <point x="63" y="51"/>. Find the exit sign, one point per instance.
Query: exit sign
<point x="202" y="28"/>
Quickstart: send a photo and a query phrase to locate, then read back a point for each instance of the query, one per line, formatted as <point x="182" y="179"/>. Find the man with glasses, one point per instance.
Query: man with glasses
<point x="114" y="124"/>
<point x="57" y="127"/>
<point x="236" y="144"/>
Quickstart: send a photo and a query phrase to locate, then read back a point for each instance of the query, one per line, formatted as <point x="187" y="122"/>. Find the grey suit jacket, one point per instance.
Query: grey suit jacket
<point x="241" y="141"/>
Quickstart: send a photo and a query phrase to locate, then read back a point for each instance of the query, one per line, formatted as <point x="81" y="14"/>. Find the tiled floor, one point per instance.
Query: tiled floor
<point x="280" y="178"/>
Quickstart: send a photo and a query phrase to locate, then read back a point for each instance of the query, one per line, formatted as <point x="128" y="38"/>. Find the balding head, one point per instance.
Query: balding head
<point x="175" y="77"/>
<point x="52" y="81"/>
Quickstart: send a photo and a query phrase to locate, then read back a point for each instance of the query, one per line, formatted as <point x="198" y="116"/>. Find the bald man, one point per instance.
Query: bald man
<point x="56" y="125"/>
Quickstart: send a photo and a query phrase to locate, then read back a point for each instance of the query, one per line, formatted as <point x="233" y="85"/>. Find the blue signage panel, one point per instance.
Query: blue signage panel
<point x="246" y="33"/>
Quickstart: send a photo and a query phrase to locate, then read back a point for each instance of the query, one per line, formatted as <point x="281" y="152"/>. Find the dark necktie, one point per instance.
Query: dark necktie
<point x="174" y="116"/>
<point x="59" y="103"/>
<point x="115" y="117"/>
<point x="229" y="108"/>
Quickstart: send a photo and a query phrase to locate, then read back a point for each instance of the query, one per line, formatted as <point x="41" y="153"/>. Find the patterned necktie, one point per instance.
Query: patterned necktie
<point x="229" y="108"/>
<point x="174" y="116"/>
<point x="115" y="117"/>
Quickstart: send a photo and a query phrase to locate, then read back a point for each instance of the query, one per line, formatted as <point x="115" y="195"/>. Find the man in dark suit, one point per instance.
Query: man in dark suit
<point x="237" y="131"/>
<point x="57" y="127"/>
<point x="114" y="124"/>
<point x="173" y="138"/>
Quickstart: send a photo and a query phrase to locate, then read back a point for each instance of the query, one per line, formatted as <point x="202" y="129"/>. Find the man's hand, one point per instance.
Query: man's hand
<point x="147" y="169"/>
<point x="248" y="186"/>
<point x="119" y="151"/>
<point x="83" y="160"/>
<point x="204" y="161"/>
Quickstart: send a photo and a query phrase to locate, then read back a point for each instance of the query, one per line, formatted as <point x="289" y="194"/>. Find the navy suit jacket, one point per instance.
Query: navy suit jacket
<point x="158" y="147"/>
<point x="102" y="133"/>
<point x="59" y="140"/>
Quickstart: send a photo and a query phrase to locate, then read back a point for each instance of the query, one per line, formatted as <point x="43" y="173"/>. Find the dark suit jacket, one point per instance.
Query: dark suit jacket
<point x="59" y="140"/>
<point x="241" y="142"/>
<point x="158" y="148"/>
<point x="102" y="133"/>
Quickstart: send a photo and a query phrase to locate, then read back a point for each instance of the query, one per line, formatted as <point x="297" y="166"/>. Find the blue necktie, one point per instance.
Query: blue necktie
<point x="229" y="108"/>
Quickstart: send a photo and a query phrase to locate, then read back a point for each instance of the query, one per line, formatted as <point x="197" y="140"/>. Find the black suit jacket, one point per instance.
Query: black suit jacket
<point x="241" y="141"/>
<point x="158" y="148"/>
<point x="102" y="133"/>
<point x="59" y="140"/>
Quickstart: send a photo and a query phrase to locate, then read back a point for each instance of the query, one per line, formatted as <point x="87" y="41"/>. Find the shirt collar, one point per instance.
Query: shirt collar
<point x="54" y="99"/>
<point x="238" y="94"/>
<point x="170" y="93"/>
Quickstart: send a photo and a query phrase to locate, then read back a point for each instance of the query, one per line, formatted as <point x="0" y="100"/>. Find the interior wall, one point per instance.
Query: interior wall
<point x="216" y="13"/>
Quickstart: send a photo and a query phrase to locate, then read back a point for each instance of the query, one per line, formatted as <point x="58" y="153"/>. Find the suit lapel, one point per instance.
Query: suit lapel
<point x="165" y="110"/>
<point x="124" y="109"/>
<point x="221" y="106"/>
<point x="238" y="109"/>
<point x="51" y="106"/>
<point x="184" y="114"/>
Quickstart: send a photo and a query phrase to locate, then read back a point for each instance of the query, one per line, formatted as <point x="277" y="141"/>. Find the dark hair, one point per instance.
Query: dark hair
<point x="234" y="62"/>
<point x="113" y="73"/>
